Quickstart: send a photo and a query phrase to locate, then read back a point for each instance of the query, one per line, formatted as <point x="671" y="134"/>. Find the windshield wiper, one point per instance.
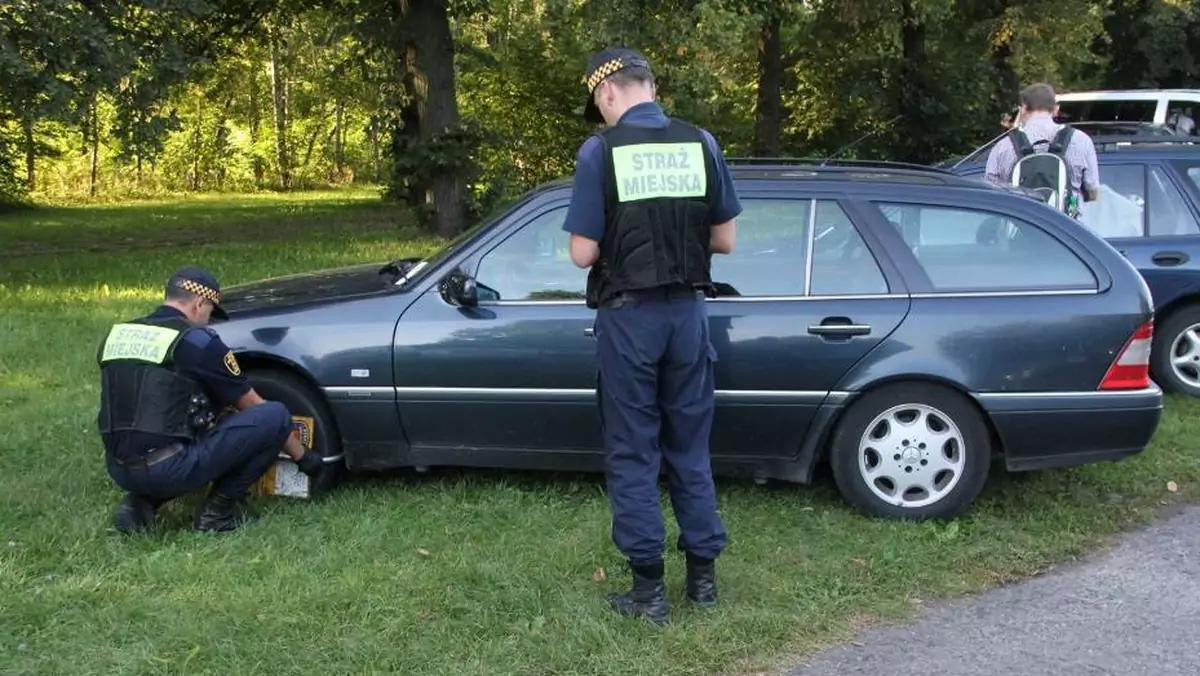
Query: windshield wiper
<point x="398" y="268"/>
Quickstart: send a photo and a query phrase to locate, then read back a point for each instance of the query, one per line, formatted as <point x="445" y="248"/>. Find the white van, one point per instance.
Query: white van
<point x="1158" y="106"/>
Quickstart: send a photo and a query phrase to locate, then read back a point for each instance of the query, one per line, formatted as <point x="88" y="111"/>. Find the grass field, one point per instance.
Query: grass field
<point x="456" y="572"/>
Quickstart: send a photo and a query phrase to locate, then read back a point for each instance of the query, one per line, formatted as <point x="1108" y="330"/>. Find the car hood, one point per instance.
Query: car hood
<point x="308" y="288"/>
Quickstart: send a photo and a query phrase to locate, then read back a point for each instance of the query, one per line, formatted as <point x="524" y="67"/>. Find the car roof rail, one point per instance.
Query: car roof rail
<point x="850" y="170"/>
<point x="817" y="162"/>
<point x="1114" y="142"/>
<point x="1122" y="128"/>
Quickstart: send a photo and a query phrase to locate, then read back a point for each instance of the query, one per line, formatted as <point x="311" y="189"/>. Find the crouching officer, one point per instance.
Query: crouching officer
<point x="652" y="201"/>
<point x="163" y="377"/>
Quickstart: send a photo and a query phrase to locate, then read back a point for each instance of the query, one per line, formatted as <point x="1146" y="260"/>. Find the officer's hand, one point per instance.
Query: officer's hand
<point x="310" y="463"/>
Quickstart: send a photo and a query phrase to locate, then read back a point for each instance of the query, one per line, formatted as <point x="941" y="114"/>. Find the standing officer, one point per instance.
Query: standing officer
<point x="653" y="200"/>
<point x="163" y="377"/>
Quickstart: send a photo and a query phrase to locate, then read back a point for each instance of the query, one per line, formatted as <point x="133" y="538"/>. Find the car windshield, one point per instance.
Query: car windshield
<point x="422" y="267"/>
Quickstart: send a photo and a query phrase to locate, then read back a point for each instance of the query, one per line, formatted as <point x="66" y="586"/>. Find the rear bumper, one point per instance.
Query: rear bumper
<point x="1042" y="430"/>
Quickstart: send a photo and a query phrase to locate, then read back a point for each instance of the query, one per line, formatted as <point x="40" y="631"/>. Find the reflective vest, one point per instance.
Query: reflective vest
<point x="140" y="388"/>
<point x="658" y="189"/>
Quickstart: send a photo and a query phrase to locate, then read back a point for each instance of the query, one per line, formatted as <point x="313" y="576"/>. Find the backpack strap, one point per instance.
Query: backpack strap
<point x="1020" y="143"/>
<point x="1062" y="140"/>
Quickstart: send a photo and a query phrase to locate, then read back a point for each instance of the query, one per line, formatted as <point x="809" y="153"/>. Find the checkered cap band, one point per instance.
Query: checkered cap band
<point x="199" y="289"/>
<point x="604" y="70"/>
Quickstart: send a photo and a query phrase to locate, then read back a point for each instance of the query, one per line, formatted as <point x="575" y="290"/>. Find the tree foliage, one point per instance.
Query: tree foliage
<point x="456" y="105"/>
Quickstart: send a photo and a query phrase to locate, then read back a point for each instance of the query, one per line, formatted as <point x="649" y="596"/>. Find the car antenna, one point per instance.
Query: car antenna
<point x="858" y="140"/>
<point x="976" y="151"/>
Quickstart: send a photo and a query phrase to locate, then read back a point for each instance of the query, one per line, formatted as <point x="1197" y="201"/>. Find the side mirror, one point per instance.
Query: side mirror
<point x="460" y="289"/>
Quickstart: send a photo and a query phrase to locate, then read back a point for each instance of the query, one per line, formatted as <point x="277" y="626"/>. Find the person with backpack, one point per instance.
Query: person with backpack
<point x="1055" y="160"/>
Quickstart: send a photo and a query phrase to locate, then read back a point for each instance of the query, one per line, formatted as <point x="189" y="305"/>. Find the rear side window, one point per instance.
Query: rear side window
<point x="1136" y="199"/>
<point x="969" y="250"/>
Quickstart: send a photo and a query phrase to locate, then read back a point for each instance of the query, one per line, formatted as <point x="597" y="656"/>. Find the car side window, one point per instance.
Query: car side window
<point x="842" y="264"/>
<point x="1119" y="211"/>
<point x="770" y="255"/>
<point x="969" y="250"/>
<point x="534" y="263"/>
<point x="1136" y="200"/>
<point x="1168" y="213"/>
<point x="1194" y="174"/>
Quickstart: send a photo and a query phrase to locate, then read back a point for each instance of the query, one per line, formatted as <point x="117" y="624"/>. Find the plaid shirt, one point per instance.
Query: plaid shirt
<point x="1080" y="156"/>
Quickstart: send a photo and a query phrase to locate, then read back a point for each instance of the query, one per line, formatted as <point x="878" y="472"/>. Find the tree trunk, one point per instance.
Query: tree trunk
<point x="279" y="93"/>
<point x="312" y="140"/>
<point x="94" y="123"/>
<point x="339" y="152"/>
<point x="374" y="131"/>
<point x="137" y="154"/>
<point x="197" y="146"/>
<point x="768" y="114"/>
<point x="915" y="88"/>
<point x="1008" y="85"/>
<point x="30" y="153"/>
<point x="254" y="126"/>
<point x="221" y="142"/>
<point x="429" y="79"/>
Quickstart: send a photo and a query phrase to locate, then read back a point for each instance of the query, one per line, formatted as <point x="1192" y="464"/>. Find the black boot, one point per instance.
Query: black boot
<point x="222" y="513"/>
<point x="701" y="581"/>
<point x="134" y="514"/>
<point x="647" y="598"/>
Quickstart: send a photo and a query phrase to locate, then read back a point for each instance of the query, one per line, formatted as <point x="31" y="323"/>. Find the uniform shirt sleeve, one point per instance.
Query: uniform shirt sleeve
<point x="202" y="355"/>
<point x="585" y="216"/>
<point x="725" y="205"/>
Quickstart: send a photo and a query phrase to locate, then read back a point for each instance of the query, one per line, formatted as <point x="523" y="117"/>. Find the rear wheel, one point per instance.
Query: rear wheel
<point x="303" y="401"/>
<point x="912" y="451"/>
<point x="1175" y="353"/>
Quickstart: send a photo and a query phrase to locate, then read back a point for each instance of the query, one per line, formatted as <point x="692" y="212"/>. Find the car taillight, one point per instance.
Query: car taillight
<point x="1131" y="369"/>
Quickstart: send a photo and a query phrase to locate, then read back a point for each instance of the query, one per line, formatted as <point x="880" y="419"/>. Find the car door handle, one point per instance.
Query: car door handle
<point x="1169" y="258"/>
<point x="840" y="327"/>
<point x="590" y="332"/>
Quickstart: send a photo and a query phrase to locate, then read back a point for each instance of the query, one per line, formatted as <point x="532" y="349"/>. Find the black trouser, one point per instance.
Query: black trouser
<point x="656" y="404"/>
<point x="234" y="455"/>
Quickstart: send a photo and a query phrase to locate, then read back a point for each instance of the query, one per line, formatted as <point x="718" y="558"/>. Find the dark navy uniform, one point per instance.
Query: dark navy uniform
<point x="163" y="380"/>
<point x="648" y="190"/>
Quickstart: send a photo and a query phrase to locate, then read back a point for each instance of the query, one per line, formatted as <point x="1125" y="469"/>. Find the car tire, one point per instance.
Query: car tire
<point x="302" y="400"/>
<point x="1167" y="337"/>
<point x="872" y="440"/>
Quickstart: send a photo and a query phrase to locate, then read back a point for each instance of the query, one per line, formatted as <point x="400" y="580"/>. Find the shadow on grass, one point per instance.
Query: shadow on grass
<point x="1002" y="487"/>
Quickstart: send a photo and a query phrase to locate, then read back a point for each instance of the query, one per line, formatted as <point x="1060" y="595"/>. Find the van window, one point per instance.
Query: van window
<point x="1107" y="111"/>
<point x="1181" y="115"/>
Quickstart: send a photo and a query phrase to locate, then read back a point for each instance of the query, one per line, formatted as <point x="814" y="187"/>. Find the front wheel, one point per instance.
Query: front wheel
<point x="304" y="403"/>
<point x="911" y="451"/>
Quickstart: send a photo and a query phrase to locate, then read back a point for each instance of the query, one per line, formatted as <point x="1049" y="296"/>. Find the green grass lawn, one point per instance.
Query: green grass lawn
<point x="455" y="572"/>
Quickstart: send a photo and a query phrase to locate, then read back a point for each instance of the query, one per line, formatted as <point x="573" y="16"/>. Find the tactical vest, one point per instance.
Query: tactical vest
<point x="659" y="185"/>
<point x="140" y="388"/>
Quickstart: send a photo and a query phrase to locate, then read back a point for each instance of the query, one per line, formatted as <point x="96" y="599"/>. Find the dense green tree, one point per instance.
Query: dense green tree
<point x="455" y="105"/>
